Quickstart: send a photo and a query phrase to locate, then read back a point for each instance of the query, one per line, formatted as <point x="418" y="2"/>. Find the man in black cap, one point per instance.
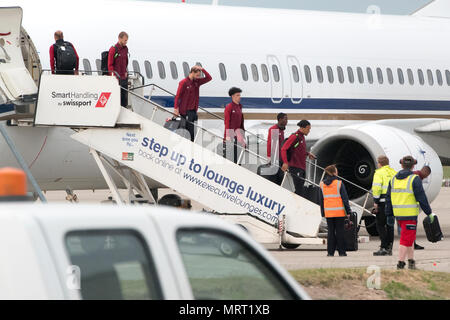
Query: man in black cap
<point x="404" y="198"/>
<point x="234" y="121"/>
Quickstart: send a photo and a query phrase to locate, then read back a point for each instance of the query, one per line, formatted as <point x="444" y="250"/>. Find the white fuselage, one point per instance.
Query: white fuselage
<point x="291" y="41"/>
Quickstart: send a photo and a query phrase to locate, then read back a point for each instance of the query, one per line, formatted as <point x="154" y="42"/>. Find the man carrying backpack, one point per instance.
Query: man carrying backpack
<point x="118" y="63"/>
<point x="295" y="145"/>
<point x="63" y="56"/>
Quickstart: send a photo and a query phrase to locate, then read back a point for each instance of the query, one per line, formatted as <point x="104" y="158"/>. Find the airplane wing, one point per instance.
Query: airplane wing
<point x="434" y="8"/>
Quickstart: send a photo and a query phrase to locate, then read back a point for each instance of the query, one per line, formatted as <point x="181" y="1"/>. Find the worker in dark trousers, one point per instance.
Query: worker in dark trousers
<point x="383" y="175"/>
<point x="63" y="56"/>
<point x="234" y="123"/>
<point x="275" y="140"/>
<point x="295" y="147"/>
<point x="118" y="65"/>
<point x="335" y="208"/>
<point x="404" y="198"/>
<point x="423" y="174"/>
<point x="188" y="96"/>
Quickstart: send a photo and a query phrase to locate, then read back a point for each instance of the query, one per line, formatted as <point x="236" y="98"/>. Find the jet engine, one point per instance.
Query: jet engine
<point x="354" y="150"/>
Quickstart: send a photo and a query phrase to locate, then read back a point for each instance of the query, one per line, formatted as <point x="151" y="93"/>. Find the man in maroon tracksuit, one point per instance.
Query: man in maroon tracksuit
<point x="275" y="141"/>
<point x="296" y="146"/>
<point x="234" y="122"/>
<point x="118" y="62"/>
<point x="188" y="96"/>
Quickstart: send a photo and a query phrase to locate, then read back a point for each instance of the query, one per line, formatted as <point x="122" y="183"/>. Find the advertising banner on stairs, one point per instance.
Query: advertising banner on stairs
<point x="201" y="174"/>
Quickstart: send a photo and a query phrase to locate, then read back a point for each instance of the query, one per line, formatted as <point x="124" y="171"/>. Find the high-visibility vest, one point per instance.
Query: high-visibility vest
<point x="381" y="180"/>
<point x="404" y="203"/>
<point x="332" y="202"/>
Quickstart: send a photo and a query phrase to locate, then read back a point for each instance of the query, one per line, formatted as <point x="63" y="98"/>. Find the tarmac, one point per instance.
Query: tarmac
<point x="435" y="257"/>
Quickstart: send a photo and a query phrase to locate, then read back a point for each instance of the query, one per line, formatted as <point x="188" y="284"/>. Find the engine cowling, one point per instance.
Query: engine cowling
<point x="354" y="149"/>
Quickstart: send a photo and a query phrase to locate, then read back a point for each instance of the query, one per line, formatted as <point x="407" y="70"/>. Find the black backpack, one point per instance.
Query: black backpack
<point x="104" y="64"/>
<point x="66" y="59"/>
<point x="289" y="151"/>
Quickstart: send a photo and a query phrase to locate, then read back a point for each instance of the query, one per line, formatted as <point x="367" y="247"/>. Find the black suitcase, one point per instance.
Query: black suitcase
<point x="351" y="233"/>
<point x="266" y="171"/>
<point x="312" y="193"/>
<point x="432" y="230"/>
<point x="172" y="124"/>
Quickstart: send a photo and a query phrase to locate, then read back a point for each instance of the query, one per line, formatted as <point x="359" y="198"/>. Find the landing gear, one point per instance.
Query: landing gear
<point x="290" y="246"/>
<point x="371" y="225"/>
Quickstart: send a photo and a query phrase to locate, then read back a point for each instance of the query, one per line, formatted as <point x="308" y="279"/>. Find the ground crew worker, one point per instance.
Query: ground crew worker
<point x="404" y="196"/>
<point x="234" y="121"/>
<point x="295" y="145"/>
<point x="13" y="185"/>
<point x="188" y="96"/>
<point x="63" y="56"/>
<point x="423" y="174"/>
<point x="383" y="175"/>
<point x="118" y="65"/>
<point x="277" y="143"/>
<point x="335" y="208"/>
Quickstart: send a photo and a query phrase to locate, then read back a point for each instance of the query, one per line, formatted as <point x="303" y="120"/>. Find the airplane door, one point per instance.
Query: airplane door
<point x="276" y="79"/>
<point x="295" y="79"/>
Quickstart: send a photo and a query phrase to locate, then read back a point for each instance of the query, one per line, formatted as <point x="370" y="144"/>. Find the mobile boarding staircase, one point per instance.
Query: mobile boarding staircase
<point x="133" y="145"/>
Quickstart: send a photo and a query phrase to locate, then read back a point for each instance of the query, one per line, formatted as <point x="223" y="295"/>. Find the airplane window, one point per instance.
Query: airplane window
<point x="369" y="75"/>
<point x="244" y="72"/>
<point x="276" y="73"/>
<point x="330" y="74"/>
<point x="255" y="73"/>
<point x="162" y="70"/>
<point x="340" y="73"/>
<point x="98" y="64"/>
<point x="380" y="76"/>
<point x="410" y="76"/>
<point x="295" y="74"/>
<point x="136" y="67"/>
<point x="173" y="70"/>
<point x="148" y="69"/>
<point x="319" y="74"/>
<point x="360" y="75"/>
<point x="390" y="75"/>
<point x="265" y="73"/>
<point x="447" y="75"/>
<point x="439" y="77"/>
<point x="223" y="72"/>
<point x="401" y="78"/>
<point x="430" y="77"/>
<point x="87" y="67"/>
<point x="307" y="74"/>
<point x="421" y="77"/>
<point x="186" y="69"/>
<point x="351" y="76"/>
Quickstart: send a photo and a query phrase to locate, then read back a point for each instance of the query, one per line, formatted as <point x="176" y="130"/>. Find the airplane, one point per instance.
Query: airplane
<point x="370" y="83"/>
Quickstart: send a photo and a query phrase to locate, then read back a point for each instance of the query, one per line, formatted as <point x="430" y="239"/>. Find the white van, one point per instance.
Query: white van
<point x="120" y="252"/>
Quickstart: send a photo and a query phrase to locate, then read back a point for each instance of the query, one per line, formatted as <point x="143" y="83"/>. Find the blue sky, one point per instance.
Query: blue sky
<point x="386" y="6"/>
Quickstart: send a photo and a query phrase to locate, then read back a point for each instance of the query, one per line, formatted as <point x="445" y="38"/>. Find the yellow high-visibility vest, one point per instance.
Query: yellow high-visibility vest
<point x="381" y="180"/>
<point x="404" y="203"/>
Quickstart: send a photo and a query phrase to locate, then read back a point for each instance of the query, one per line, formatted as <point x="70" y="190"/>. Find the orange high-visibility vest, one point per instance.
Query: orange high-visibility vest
<point x="332" y="202"/>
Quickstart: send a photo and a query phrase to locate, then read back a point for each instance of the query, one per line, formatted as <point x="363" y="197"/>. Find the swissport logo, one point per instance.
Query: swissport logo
<point x="103" y="100"/>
